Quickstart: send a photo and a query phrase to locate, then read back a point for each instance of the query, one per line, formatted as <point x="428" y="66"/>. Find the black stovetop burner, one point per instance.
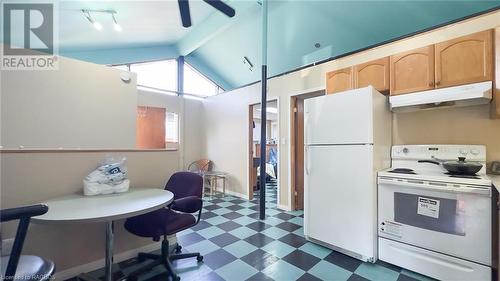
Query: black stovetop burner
<point x="463" y="176"/>
<point x="403" y="171"/>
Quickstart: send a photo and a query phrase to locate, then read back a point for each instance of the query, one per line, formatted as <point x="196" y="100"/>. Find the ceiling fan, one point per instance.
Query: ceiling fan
<point x="217" y="4"/>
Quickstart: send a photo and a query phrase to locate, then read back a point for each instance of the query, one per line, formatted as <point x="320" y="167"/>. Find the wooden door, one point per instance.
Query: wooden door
<point x="339" y="80"/>
<point x="150" y="127"/>
<point x="464" y="60"/>
<point x="412" y="71"/>
<point x="375" y="73"/>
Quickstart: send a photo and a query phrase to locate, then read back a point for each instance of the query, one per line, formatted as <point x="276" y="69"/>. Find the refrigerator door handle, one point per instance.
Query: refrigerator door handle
<point x="307" y="159"/>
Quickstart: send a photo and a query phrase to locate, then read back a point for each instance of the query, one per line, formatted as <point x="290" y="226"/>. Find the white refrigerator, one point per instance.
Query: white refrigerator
<point x="347" y="140"/>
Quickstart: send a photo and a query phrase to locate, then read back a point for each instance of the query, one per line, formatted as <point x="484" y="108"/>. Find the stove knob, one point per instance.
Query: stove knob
<point x="405" y="150"/>
<point x="463" y="151"/>
<point x="398" y="150"/>
<point x="474" y="151"/>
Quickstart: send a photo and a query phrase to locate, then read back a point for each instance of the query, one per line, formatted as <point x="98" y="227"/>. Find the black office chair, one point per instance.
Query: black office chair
<point x="24" y="267"/>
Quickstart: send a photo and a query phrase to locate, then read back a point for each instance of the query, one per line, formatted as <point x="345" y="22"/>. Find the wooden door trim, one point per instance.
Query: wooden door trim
<point x="293" y="124"/>
<point x="250" y="152"/>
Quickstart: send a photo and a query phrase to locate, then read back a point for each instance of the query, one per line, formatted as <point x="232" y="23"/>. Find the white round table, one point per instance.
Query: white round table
<point x="78" y="208"/>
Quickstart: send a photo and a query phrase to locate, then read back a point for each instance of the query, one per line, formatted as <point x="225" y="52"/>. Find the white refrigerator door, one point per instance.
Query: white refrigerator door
<point x="340" y="198"/>
<point x="341" y="118"/>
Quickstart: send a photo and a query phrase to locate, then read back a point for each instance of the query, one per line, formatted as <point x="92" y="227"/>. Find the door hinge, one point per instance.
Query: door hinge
<point x="295" y="109"/>
<point x="296" y="194"/>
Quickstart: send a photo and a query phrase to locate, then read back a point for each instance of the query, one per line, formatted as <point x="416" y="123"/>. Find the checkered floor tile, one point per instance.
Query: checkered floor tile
<point x="238" y="246"/>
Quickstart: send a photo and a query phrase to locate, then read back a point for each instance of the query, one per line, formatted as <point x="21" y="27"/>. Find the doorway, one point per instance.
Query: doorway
<point x="297" y="147"/>
<point x="272" y="152"/>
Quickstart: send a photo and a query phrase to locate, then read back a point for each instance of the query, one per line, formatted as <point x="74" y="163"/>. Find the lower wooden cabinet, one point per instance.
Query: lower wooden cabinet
<point x="339" y="80"/>
<point x="375" y="73"/>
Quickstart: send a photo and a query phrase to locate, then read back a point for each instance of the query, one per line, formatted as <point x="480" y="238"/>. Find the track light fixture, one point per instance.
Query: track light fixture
<point x="96" y="24"/>
<point x="116" y="26"/>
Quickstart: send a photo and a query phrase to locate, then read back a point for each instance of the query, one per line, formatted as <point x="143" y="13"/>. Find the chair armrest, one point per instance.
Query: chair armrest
<point x="23" y="212"/>
<point x="190" y="204"/>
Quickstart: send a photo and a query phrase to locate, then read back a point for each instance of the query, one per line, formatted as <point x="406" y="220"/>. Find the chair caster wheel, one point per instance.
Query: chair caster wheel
<point x="178" y="249"/>
<point x="176" y="278"/>
<point x="199" y="258"/>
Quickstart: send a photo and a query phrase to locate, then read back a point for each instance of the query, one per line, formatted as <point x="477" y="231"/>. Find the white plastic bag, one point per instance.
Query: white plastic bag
<point x="110" y="177"/>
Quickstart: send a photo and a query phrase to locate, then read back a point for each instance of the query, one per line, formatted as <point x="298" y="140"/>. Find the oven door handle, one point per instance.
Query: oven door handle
<point x="435" y="187"/>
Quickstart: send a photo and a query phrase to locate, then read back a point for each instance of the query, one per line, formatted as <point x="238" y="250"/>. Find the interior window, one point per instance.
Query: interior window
<point x="172" y="130"/>
<point x="157" y="128"/>
<point x="197" y="84"/>
<point x="161" y="75"/>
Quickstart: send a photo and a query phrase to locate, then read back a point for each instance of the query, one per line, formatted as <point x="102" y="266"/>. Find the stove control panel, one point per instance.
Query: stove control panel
<point x="439" y="151"/>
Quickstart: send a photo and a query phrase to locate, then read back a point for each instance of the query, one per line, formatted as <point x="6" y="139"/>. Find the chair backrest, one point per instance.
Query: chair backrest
<point x="23" y="214"/>
<point x="202" y="165"/>
<point x="183" y="184"/>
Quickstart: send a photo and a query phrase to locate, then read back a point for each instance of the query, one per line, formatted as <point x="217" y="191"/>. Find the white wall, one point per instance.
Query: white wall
<point x="32" y="177"/>
<point x="226" y="115"/>
<point x="80" y="105"/>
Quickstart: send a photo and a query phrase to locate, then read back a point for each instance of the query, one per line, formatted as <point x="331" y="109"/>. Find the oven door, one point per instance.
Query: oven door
<point x="448" y="219"/>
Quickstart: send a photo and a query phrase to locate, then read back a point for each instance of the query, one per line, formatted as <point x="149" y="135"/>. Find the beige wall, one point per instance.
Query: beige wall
<point x="227" y="137"/>
<point x="29" y="177"/>
<point x="35" y="177"/>
<point x="74" y="106"/>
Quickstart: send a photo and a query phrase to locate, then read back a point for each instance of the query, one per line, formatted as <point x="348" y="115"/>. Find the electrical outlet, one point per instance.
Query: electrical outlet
<point x="7" y="246"/>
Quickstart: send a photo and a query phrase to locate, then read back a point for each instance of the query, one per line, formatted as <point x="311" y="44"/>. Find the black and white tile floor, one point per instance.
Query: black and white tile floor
<point x="238" y="246"/>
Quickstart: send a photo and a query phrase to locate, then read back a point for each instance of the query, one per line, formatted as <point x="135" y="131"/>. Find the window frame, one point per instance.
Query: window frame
<point x="218" y="87"/>
<point x="189" y="95"/>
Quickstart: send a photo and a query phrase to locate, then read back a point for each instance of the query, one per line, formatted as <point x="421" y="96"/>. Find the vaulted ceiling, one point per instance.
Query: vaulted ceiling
<point x="216" y="44"/>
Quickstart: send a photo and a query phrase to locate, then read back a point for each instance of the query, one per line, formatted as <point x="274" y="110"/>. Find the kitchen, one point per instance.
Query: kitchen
<point x="399" y="76"/>
<point x="474" y="124"/>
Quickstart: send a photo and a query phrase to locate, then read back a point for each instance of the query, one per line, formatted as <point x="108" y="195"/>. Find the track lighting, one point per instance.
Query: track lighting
<point x="97" y="25"/>
<point x="116" y="26"/>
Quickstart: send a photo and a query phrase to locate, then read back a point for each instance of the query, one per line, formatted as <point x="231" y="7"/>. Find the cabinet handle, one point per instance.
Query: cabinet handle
<point x="431" y="84"/>
<point x="438" y="83"/>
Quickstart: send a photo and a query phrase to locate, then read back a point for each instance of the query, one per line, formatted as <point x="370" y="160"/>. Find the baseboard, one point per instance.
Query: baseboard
<point x="75" y="271"/>
<point x="234" y="193"/>
<point x="284" y="208"/>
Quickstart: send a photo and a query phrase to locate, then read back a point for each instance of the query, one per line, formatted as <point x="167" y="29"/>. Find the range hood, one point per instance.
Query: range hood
<point x="465" y="95"/>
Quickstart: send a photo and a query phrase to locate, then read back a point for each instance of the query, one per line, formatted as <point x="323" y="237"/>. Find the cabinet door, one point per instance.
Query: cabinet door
<point x="412" y="71"/>
<point x="375" y="73"/>
<point x="464" y="60"/>
<point x="495" y="111"/>
<point x="339" y="80"/>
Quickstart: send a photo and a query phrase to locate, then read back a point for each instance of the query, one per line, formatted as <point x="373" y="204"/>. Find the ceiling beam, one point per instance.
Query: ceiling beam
<point x="213" y="25"/>
<point x="123" y="55"/>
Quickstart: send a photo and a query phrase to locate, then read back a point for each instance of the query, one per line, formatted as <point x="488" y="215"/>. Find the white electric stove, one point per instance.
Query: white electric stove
<point x="432" y="222"/>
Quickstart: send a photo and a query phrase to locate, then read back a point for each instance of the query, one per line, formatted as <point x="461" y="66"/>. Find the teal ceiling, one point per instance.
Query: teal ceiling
<point x="338" y="26"/>
<point x="216" y="45"/>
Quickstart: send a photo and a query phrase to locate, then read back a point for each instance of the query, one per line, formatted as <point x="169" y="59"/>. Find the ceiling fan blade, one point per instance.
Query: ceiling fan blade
<point x="222" y="7"/>
<point x="184" y="10"/>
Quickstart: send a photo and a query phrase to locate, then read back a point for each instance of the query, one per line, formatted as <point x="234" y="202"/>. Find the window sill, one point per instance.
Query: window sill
<point x="73" y="150"/>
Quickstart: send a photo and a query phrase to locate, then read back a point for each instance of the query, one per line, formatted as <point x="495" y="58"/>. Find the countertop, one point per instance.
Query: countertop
<point x="496" y="181"/>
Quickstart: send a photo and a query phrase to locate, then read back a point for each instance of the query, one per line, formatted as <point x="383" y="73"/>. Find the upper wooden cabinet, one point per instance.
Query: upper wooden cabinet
<point x="339" y="80"/>
<point x="464" y="60"/>
<point x="375" y="73"/>
<point x="412" y="71"/>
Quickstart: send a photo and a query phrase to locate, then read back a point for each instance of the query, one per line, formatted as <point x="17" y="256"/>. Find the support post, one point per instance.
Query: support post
<point x="263" y="118"/>
<point x="180" y="75"/>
